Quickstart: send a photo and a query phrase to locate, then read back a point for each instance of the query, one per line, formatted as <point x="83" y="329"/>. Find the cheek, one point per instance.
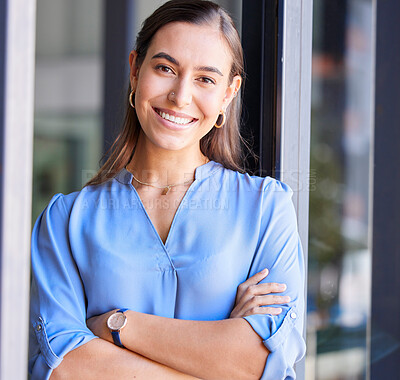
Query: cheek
<point x="211" y="101"/>
<point x="147" y="89"/>
<point x="150" y="86"/>
<point x="144" y="95"/>
<point x="211" y="104"/>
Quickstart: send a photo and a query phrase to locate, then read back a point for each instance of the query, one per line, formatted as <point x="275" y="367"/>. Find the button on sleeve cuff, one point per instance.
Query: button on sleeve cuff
<point x="282" y="336"/>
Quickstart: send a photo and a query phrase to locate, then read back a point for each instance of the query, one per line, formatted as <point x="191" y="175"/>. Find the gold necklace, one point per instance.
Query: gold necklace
<point x="166" y="188"/>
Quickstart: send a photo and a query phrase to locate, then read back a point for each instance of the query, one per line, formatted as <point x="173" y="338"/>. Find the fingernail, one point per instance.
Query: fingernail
<point x="286" y="299"/>
<point x="282" y="286"/>
<point x="264" y="271"/>
<point x="279" y="310"/>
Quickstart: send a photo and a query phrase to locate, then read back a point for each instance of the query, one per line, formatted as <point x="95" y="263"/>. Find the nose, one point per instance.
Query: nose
<point x="181" y="94"/>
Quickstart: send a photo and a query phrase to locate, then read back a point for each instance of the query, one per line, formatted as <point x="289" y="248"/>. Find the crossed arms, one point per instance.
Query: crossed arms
<point x="166" y="348"/>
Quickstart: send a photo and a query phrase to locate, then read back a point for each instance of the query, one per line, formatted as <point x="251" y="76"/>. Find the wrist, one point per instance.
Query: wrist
<point x="127" y="333"/>
<point x="116" y="323"/>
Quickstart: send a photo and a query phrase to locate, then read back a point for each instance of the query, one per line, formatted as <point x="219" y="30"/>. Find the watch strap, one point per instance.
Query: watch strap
<point x="117" y="339"/>
<point x="115" y="333"/>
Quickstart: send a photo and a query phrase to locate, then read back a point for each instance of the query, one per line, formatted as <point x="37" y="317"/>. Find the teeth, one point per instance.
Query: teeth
<point x="176" y="120"/>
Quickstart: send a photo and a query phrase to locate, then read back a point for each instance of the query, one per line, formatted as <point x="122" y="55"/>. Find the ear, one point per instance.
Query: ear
<point x="134" y="69"/>
<point x="232" y="91"/>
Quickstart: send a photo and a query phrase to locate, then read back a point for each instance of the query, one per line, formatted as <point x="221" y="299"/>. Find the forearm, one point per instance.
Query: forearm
<point x="227" y="349"/>
<point x="99" y="359"/>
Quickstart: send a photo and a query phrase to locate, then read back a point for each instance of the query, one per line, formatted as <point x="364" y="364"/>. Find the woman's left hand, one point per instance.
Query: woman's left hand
<point x="98" y="325"/>
<point x="253" y="297"/>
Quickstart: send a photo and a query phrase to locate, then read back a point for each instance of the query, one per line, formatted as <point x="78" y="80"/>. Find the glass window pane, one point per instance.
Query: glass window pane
<point x="341" y="138"/>
<point x="68" y="96"/>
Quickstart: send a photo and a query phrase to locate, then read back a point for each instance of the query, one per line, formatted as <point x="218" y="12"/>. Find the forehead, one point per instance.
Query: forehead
<point x="193" y="44"/>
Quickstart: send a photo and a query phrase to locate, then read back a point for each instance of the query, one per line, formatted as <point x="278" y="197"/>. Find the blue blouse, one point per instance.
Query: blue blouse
<point x="96" y="249"/>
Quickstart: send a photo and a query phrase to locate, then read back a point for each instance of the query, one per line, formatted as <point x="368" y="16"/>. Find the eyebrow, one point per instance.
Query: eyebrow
<point x="166" y="56"/>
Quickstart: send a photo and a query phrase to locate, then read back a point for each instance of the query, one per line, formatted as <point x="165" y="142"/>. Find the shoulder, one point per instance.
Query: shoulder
<point x="56" y="212"/>
<point x="89" y="195"/>
<point x="59" y="203"/>
<point x="64" y="201"/>
<point x="63" y="204"/>
<point x="268" y="186"/>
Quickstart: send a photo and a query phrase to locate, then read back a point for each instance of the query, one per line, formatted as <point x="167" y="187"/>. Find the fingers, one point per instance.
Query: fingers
<point x="260" y="305"/>
<point x="252" y="285"/>
<point x="270" y="300"/>
<point x="254" y="297"/>
<point x="266" y="288"/>
<point x="262" y="289"/>
<point x="265" y="301"/>
<point x="263" y="310"/>
<point x="255" y="279"/>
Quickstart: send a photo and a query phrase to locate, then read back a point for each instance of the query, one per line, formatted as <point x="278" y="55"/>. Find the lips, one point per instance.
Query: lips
<point x="174" y="117"/>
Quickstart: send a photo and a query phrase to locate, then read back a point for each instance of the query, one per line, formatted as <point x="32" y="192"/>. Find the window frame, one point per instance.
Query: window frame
<point x="17" y="50"/>
<point x="277" y="35"/>
<point x="384" y="328"/>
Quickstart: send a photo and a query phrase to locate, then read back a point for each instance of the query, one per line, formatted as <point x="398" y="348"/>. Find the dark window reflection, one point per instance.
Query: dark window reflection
<point x="339" y="250"/>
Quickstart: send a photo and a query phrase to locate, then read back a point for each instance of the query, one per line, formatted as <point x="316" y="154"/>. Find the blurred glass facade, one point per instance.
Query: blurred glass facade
<point x="68" y="96"/>
<point x="339" y="267"/>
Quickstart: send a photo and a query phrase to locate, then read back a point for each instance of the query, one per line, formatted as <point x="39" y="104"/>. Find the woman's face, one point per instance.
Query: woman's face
<point x="182" y="85"/>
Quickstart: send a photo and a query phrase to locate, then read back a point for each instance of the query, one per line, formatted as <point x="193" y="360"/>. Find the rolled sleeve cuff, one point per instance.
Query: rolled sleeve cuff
<point x="285" y="343"/>
<point x="47" y="360"/>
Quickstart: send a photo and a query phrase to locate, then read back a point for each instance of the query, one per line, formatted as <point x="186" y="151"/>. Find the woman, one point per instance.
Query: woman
<point x="162" y="254"/>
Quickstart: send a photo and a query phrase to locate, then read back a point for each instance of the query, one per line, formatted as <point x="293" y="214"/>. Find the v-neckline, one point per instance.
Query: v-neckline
<point x="164" y="245"/>
<point x="200" y="172"/>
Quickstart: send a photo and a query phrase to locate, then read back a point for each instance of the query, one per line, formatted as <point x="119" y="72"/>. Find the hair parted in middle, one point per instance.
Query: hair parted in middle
<point x="223" y="145"/>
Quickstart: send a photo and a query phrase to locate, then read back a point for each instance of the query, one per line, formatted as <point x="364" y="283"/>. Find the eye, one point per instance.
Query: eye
<point x="164" y="69"/>
<point x="207" y="80"/>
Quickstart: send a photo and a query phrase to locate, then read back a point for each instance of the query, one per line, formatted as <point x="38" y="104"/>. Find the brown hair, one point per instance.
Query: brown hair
<point x="223" y="145"/>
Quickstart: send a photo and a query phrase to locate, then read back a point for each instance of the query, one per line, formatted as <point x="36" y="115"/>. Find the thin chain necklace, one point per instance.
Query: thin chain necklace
<point x="166" y="188"/>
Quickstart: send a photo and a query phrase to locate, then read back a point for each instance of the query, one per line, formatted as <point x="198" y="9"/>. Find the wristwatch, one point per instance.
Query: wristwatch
<point x="116" y="322"/>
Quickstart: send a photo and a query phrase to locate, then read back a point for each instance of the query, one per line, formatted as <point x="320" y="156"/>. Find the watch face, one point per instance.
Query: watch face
<point x="116" y="321"/>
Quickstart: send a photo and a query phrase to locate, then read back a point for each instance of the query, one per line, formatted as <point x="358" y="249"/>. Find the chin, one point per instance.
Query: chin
<point x="170" y="145"/>
<point x="167" y="141"/>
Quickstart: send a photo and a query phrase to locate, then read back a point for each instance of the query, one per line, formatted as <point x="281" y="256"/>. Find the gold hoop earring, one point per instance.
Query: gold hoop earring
<point x="219" y="123"/>
<point x="131" y="99"/>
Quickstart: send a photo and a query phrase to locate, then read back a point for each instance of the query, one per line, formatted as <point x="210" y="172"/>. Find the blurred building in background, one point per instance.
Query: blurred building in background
<point x="68" y="128"/>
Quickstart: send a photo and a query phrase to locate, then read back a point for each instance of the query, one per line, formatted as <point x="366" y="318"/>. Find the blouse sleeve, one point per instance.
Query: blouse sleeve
<point x="58" y="312"/>
<point x="280" y="251"/>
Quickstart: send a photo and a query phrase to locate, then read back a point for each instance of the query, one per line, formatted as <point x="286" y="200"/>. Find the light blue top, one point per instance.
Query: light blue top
<point x="97" y="250"/>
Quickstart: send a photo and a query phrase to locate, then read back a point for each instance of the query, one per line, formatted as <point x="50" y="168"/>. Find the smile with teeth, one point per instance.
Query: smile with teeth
<point x="173" y="119"/>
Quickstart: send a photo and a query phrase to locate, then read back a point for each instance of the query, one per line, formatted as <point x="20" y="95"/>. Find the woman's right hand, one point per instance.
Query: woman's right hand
<point x="255" y="298"/>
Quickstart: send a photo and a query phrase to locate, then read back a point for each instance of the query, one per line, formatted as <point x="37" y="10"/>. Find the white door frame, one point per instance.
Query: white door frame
<point x="16" y="126"/>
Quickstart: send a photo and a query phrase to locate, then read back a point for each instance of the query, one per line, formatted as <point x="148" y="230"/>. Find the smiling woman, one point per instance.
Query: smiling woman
<point x="164" y="255"/>
<point x="186" y="68"/>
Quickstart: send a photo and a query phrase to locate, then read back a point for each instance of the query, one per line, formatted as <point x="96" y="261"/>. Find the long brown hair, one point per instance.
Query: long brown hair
<point x="223" y="145"/>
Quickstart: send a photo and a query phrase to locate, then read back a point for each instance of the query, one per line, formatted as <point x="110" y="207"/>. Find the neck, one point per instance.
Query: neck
<point x="165" y="167"/>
